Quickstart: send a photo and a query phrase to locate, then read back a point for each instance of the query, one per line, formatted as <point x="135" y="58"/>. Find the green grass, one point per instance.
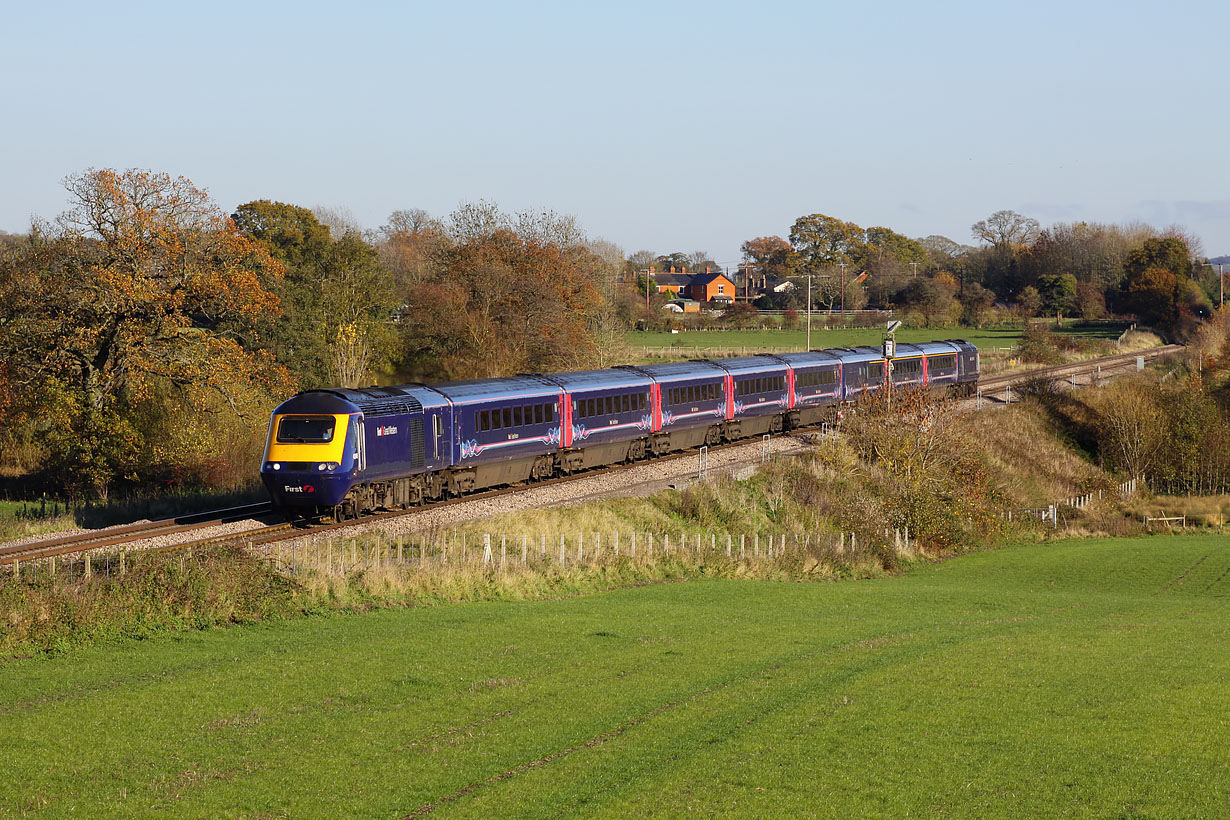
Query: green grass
<point x="796" y="339"/>
<point x="1072" y="679"/>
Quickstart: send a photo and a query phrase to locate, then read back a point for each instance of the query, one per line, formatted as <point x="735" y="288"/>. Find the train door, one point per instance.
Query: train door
<point x="437" y="433"/>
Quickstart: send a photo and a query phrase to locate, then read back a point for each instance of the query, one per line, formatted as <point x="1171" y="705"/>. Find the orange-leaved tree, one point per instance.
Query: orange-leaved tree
<point x="118" y="304"/>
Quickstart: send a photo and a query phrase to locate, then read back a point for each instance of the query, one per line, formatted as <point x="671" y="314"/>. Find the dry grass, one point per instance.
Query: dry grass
<point x="1136" y="340"/>
<point x="1037" y="465"/>
<point x="1202" y="511"/>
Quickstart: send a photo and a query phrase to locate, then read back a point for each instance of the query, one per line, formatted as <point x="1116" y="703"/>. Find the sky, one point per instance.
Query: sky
<point x="665" y="126"/>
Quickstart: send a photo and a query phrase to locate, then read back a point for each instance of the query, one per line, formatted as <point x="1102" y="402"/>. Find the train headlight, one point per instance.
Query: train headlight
<point x="277" y="466"/>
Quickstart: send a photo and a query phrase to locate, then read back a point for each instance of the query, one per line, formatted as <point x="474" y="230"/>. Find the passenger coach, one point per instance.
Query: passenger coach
<point x="344" y="451"/>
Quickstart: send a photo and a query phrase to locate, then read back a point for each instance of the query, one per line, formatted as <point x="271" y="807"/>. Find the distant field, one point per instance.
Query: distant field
<point x="1078" y="679"/>
<point x="796" y="339"/>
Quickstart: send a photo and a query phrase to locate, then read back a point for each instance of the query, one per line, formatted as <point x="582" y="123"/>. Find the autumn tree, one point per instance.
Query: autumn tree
<point x="766" y="258"/>
<point x="338" y="298"/>
<point x="502" y="303"/>
<point x="124" y="299"/>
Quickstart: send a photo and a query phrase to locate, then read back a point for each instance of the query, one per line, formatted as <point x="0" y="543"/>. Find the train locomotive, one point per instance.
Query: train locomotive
<point x="345" y="451"/>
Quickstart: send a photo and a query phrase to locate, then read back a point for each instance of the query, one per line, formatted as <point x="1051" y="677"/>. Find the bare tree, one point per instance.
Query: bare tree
<point x="339" y="219"/>
<point x="1006" y="228"/>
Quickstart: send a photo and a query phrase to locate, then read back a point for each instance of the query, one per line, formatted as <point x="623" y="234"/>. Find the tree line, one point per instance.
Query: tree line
<point x="145" y="333"/>
<point x="1080" y="269"/>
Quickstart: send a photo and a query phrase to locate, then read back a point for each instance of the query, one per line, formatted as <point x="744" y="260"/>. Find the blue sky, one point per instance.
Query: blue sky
<point x="664" y="126"/>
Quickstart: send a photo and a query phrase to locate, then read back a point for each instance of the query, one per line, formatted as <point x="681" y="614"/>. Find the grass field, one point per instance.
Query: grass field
<point x="1072" y="679"/>
<point x="796" y="339"/>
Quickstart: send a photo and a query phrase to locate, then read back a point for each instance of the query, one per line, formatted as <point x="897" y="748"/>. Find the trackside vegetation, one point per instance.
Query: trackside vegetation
<point x="1081" y="678"/>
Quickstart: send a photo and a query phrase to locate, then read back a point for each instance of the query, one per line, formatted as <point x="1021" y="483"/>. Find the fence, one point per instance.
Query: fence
<point x="539" y="551"/>
<point x="1051" y="512"/>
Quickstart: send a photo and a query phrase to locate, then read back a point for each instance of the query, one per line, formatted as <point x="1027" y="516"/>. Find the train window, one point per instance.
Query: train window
<point x="608" y="402"/>
<point x="508" y="417"/>
<point x="495" y="420"/>
<point x="516" y="414"/>
<point x="538" y="414"/>
<point x="550" y="411"/>
<point x="484" y="420"/>
<point x="625" y="402"/>
<point x="304" y="429"/>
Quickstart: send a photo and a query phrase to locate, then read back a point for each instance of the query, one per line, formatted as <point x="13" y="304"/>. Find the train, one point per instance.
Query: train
<point x="347" y="451"/>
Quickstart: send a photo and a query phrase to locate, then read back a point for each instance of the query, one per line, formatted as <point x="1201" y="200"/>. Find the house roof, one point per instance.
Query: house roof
<point x="672" y="279"/>
<point x="706" y="278"/>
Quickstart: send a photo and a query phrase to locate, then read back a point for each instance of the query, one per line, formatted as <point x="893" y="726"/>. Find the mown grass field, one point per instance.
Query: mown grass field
<point x="1072" y="679"/>
<point x="988" y="338"/>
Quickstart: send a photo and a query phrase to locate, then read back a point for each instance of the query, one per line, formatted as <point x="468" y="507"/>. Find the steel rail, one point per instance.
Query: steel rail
<point x="129" y="534"/>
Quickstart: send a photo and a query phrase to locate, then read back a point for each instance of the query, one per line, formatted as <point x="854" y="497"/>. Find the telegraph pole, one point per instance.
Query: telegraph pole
<point x="843" y="290"/>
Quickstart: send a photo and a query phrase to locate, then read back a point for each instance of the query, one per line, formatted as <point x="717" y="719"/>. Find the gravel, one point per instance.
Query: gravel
<point x="638" y="481"/>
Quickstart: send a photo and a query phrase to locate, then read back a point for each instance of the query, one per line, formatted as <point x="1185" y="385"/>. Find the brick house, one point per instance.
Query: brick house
<point x="711" y="287"/>
<point x="698" y="287"/>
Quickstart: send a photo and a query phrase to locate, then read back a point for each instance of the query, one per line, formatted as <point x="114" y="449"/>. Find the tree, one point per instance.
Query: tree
<point x="1029" y="301"/>
<point x="126" y="296"/>
<point x="1169" y="253"/>
<point x="976" y="303"/>
<point x="1006" y="228"/>
<point x="930" y="297"/>
<point x="885" y="243"/>
<point x="502" y="303"/>
<point x="1058" y="293"/>
<point x="339" y="298"/>
<point x="819" y="241"/>
<point x="1153" y="295"/>
<point x="766" y="258"/>
<point x="666" y="262"/>
<point x="410" y="247"/>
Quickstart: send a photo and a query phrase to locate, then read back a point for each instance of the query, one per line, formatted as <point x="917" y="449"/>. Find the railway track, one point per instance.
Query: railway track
<point x="134" y="535"/>
<point x="128" y="535"/>
<point x="1106" y="364"/>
